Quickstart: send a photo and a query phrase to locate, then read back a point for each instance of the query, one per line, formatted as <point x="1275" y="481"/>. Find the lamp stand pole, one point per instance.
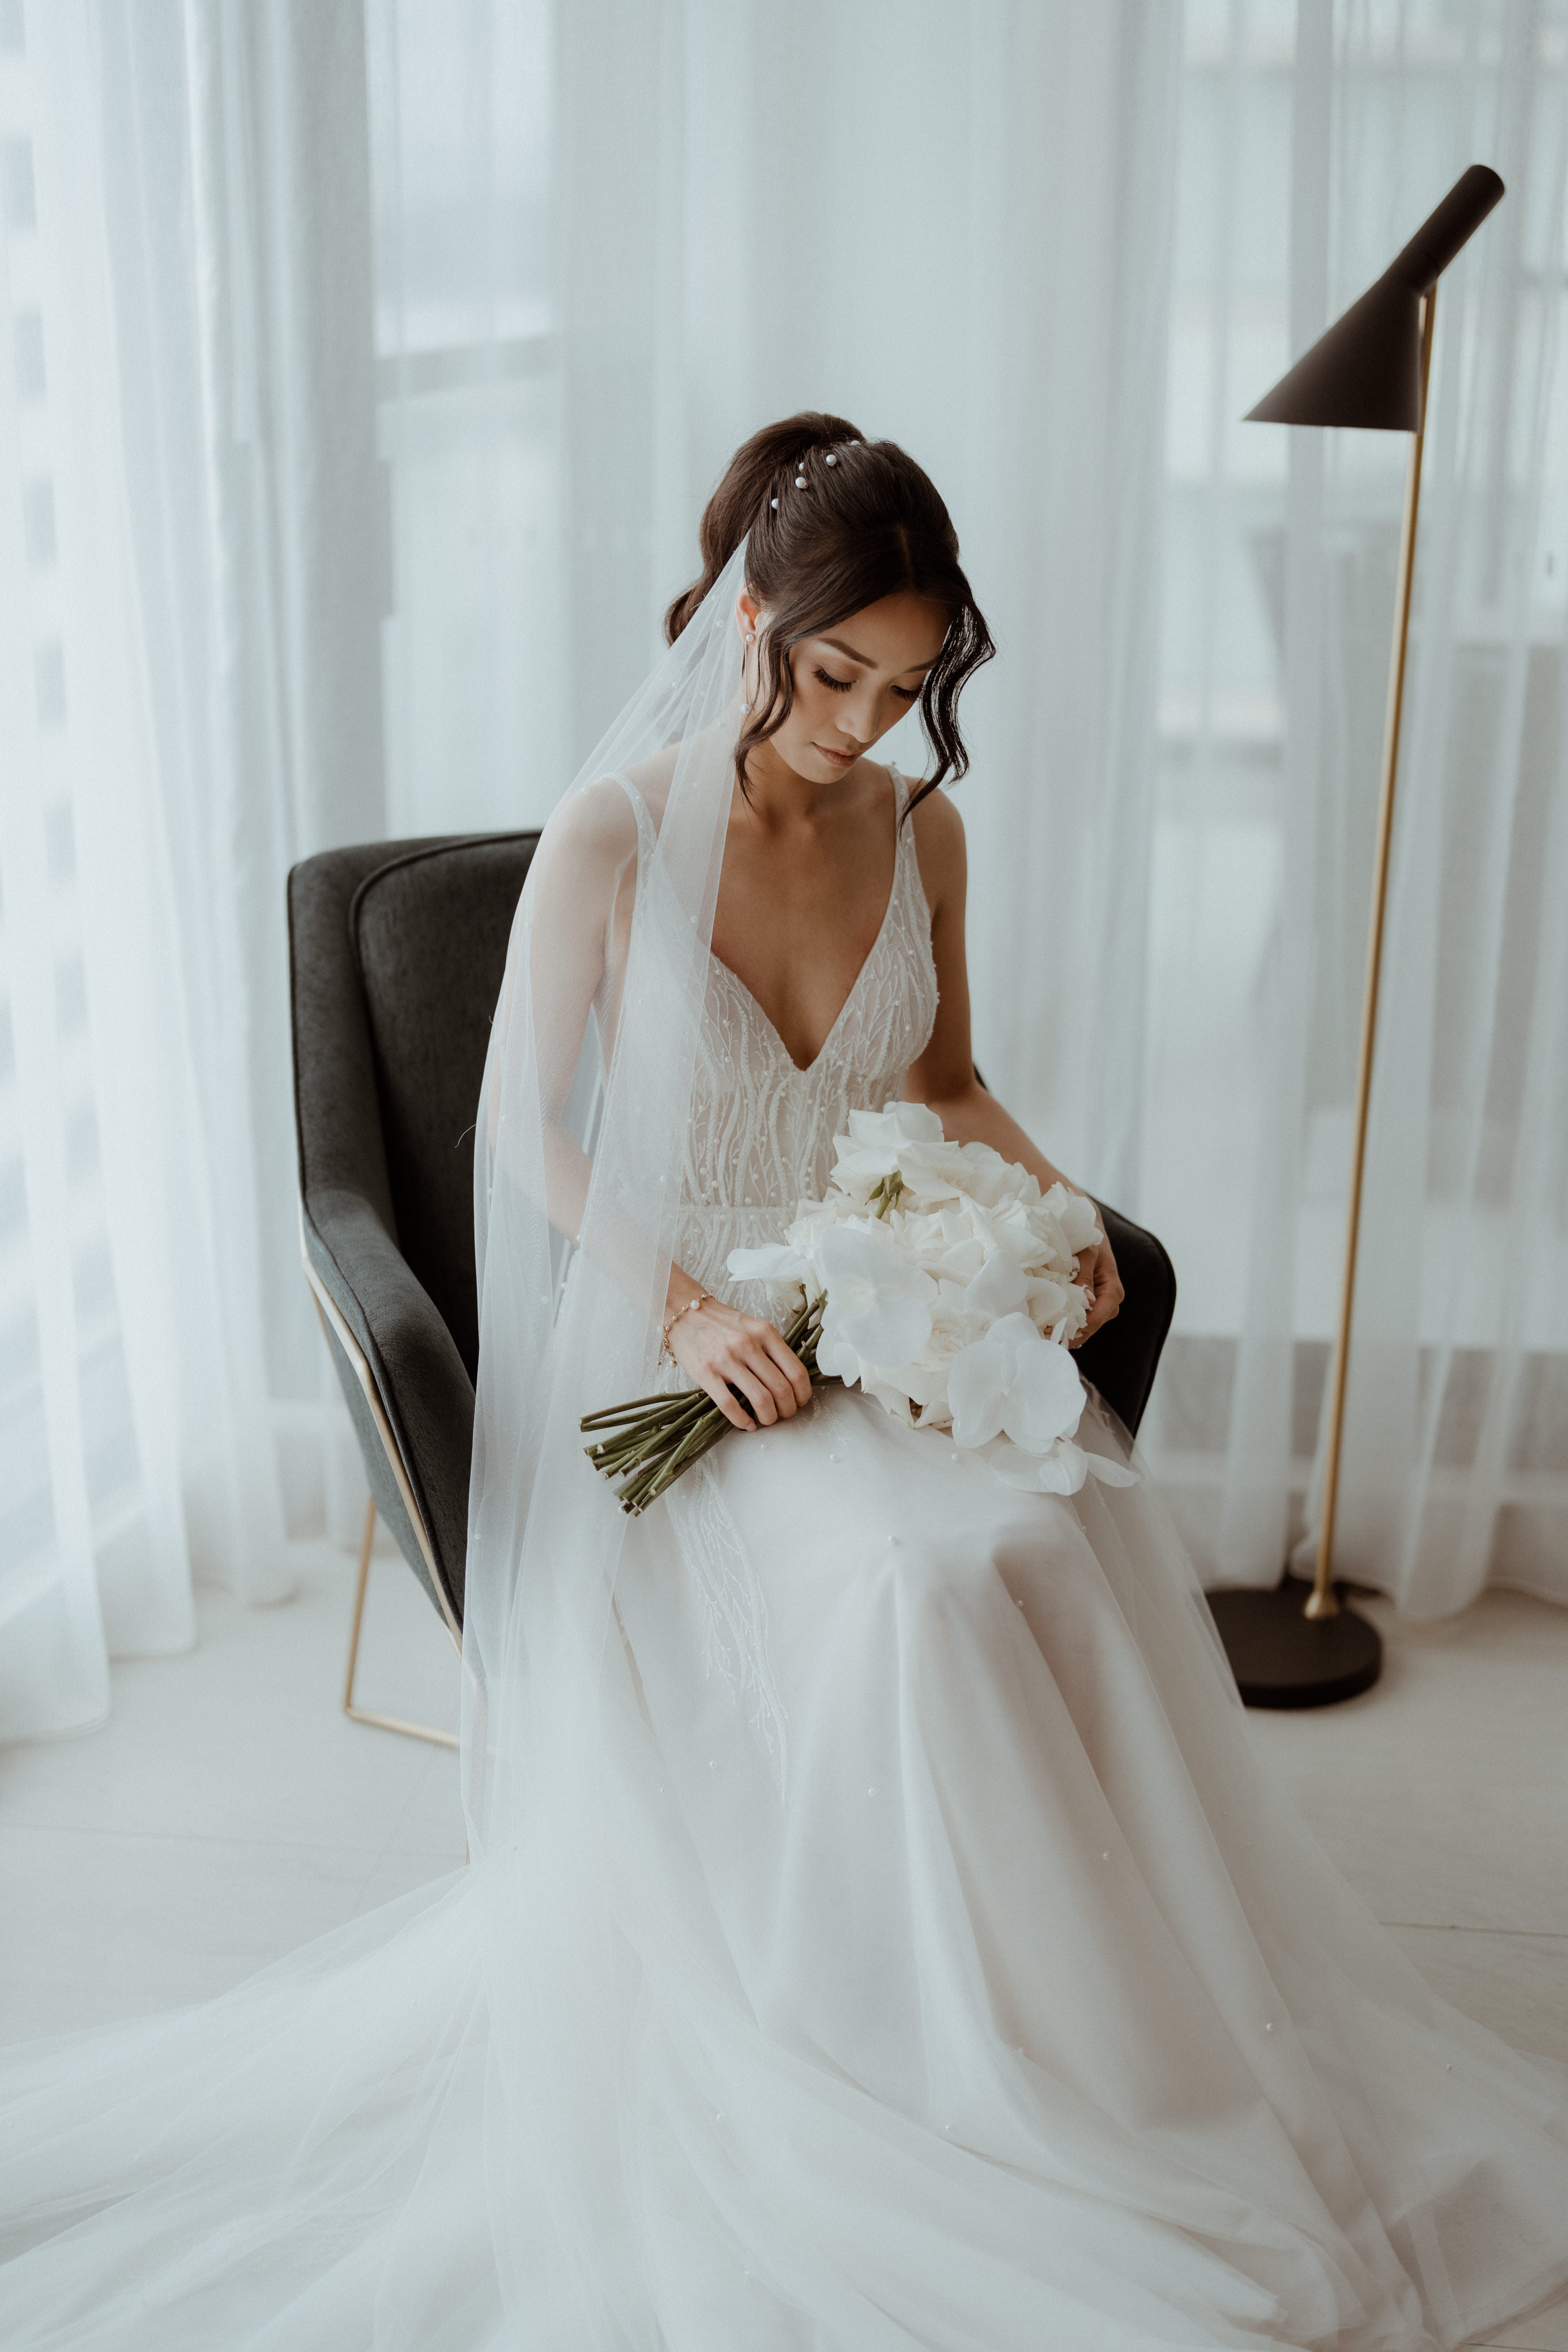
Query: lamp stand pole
<point x="1295" y="1644"/>
<point x="1322" y="1600"/>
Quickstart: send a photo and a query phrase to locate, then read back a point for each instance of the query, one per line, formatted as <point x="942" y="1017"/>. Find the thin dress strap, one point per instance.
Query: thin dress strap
<point x="904" y="856"/>
<point x="907" y="878"/>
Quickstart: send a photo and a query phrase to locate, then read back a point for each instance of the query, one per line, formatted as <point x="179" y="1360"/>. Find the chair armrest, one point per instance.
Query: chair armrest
<point x="1124" y="1354"/>
<point x="421" y="1382"/>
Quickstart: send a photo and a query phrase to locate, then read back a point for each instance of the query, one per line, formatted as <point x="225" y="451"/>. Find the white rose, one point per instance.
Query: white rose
<point x="941" y="1243"/>
<point x="1001" y="1287"/>
<point x="1055" y="1306"/>
<point x="1011" y="1227"/>
<point x="989" y="1179"/>
<point x="813" y="1218"/>
<point x="926" y="1375"/>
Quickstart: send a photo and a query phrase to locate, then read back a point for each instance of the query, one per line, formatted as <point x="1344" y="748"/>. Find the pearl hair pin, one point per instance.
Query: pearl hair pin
<point x="800" y="481"/>
<point x="830" y="459"/>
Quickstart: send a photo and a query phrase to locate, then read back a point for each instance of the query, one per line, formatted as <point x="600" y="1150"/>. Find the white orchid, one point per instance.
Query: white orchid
<point x="939" y="1277"/>
<point x="1018" y="1382"/>
<point x="946" y="1285"/>
<point x="1062" y="1471"/>
<point x="872" y="1149"/>
<point x="776" y="1262"/>
<point x="879" y="1310"/>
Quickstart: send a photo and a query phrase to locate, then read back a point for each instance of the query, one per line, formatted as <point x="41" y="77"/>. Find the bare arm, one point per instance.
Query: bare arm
<point x="580" y="929"/>
<point x="944" y="1078"/>
<point x="583" y="869"/>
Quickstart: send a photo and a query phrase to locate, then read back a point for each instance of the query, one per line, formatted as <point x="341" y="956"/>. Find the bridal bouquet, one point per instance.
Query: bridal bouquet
<point x="940" y="1278"/>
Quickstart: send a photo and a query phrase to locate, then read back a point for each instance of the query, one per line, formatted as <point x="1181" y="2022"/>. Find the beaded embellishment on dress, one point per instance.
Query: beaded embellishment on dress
<point x="762" y="1131"/>
<point x="760" y="1141"/>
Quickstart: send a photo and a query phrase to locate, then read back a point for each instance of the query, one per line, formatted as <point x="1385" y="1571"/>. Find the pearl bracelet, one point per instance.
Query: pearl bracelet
<point x="667" y="1349"/>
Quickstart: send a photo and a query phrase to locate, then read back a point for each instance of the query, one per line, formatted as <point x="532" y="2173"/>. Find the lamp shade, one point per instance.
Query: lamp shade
<point x="1366" y="370"/>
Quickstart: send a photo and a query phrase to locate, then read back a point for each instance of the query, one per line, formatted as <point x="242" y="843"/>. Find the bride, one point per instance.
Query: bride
<point x="877" y="1933"/>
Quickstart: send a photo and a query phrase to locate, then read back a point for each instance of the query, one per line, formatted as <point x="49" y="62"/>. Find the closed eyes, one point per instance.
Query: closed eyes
<point x="843" y="684"/>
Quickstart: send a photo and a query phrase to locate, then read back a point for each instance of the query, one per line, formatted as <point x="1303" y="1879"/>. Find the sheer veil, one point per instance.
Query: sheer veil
<point x="583" y="1114"/>
<point x="423" y="2120"/>
<point x="1018" y="2010"/>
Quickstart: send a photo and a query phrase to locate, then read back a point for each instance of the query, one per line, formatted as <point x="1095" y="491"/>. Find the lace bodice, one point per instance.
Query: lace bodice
<point x="762" y="1128"/>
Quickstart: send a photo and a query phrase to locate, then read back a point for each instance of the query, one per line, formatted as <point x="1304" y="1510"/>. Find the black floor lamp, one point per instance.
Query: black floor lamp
<point x="1297" y="1644"/>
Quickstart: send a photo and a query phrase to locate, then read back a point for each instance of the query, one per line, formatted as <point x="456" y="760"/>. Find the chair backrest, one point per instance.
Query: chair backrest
<point x="429" y="930"/>
<point x="1123" y="1355"/>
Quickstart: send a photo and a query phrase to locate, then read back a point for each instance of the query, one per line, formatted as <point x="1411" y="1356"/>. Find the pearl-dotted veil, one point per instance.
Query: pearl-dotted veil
<point x="585" y="1110"/>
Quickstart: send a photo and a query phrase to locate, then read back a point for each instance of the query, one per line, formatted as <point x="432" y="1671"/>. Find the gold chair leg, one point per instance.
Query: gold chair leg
<point x="364" y="1714"/>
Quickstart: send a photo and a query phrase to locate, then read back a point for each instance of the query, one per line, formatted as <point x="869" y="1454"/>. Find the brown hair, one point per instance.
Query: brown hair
<point x="836" y="523"/>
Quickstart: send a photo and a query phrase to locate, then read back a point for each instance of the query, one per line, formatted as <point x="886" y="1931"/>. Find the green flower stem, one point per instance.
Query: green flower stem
<point x="615" y="1431"/>
<point x="649" y="1442"/>
<point x="660" y="1408"/>
<point x="662" y="1473"/>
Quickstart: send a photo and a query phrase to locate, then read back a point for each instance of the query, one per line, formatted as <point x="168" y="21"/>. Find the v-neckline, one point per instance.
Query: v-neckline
<point x="804" y="1069"/>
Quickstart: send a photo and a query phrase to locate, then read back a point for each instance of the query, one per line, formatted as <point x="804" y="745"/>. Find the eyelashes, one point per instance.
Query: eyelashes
<point x="842" y="685"/>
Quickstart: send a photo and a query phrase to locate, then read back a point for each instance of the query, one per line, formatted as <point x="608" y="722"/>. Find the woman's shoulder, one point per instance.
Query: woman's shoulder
<point x="938" y="830"/>
<point x="593" y="828"/>
<point x="935" y="813"/>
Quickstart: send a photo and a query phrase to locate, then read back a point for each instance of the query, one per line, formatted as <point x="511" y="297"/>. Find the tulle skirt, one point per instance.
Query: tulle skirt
<point x="974" y="1990"/>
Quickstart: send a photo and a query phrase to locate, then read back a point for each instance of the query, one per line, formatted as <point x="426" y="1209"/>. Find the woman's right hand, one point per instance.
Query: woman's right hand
<point x="723" y="1351"/>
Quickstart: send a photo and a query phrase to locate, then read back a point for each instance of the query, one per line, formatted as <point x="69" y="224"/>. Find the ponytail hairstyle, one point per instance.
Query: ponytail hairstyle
<point x="836" y="524"/>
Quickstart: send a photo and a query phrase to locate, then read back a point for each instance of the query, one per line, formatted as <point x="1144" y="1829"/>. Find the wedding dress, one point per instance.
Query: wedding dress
<point x="880" y="1934"/>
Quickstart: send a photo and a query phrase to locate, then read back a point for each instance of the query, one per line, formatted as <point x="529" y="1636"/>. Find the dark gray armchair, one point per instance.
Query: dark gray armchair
<point x="396" y="951"/>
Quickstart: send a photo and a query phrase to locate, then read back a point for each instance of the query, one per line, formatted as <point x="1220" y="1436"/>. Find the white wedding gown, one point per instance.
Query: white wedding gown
<point x="989" y="1997"/>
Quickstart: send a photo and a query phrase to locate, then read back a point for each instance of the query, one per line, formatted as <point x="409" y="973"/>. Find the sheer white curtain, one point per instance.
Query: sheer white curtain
<point x="369" y="367"/>
<point x="92" y="1541"/>
<point x="1057" y="251"/>
<point x="1458" y="1405"/>
<point x="1313" y="138"/>
<point x="192" y="576"/>
<point x="614" y="238"/>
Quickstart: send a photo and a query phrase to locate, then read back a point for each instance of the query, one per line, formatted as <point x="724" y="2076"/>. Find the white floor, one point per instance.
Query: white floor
<point x="228" y="1810"/>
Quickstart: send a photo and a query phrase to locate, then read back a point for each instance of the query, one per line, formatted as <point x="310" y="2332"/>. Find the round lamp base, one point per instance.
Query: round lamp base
<point x="1282" y="1658"/>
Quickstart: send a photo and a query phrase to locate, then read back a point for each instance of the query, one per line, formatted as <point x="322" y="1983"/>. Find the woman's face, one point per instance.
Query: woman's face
<point x="854" y="683"/>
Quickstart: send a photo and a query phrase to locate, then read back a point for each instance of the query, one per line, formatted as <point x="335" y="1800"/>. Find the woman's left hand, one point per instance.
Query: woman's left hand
<point x="1097" y="1273"/>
